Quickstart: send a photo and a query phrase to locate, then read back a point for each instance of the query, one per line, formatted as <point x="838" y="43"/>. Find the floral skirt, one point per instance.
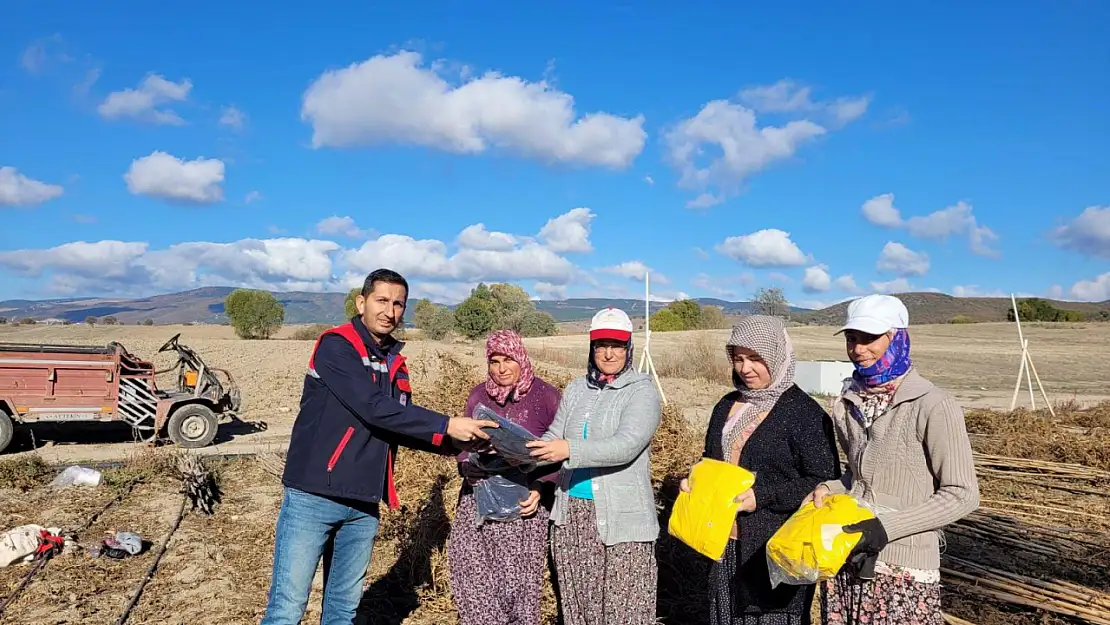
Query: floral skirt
<point x="896" y="599"/>
<point x="497" y="568"/>
<point x="600" y="585"/>
<point x="721" y="597"/>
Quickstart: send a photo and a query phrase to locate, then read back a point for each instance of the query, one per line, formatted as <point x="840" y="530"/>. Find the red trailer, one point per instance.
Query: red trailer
<point x="69" y="383"/>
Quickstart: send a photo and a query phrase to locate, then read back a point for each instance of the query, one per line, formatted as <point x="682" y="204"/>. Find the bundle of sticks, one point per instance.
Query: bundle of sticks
<point x="1038" y="468"/>
<point x="1054" y="595"/>
<point x="986" y="525"/>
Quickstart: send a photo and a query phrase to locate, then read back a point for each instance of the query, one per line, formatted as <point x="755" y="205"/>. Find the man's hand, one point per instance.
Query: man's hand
<point x="557" y="450"/>
<point x="465" y="429"/>
<point x="746" y="500"/>
<point x="817" y="496"/>
<point x="529" y="506"/>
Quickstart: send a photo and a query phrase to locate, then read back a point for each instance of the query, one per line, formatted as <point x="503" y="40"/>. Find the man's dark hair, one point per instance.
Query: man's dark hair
<point x="383" y="275"/>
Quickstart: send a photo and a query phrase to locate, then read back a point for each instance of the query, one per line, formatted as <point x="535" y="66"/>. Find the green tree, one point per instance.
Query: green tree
<point x="770" y="301"/>
<point x="110" y="321"/>
<point x="148" y="322"/>
<point x="90" y="320"/>
<point x="688" y="311"/>
<point x="477" y="315"/>
<point x="27" y="321"/>
<point x="435" y="322"/>
<point x="667" y="320"/>
<point x="537" y="323"/>
<point x="3" y="321"/>
<point x="254" y="314"/>
<point x="350" y="308"/>
<point x="712" y="318"/>
<point x="511" y="304"/>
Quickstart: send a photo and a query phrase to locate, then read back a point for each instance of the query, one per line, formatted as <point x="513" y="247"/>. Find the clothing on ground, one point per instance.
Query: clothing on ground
<point x="722" y="604"/>
<point x="896" y="599"/>
<point x="602" y="585"/>
<point x="309" y="528"/>
<point x="497" y="568"/>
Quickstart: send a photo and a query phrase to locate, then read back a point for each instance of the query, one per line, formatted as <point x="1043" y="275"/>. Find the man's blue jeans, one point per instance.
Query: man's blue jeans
<point x="310" y="527"/>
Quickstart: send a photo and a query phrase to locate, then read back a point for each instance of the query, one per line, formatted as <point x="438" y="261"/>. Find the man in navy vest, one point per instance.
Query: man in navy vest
<point x="355" y="410"/>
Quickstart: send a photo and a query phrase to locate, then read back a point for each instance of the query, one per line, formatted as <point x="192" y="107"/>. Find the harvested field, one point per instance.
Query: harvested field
<point x="1039" y="519"/>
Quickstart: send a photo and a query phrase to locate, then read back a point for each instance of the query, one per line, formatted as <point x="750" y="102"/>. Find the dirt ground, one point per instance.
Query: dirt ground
<point x="216" y="569"/>
<point x="978" y="363"/>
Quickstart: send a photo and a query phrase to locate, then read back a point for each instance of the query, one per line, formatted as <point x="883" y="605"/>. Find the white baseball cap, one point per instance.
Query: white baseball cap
<point x="876" y="314"/>
<point x="611" y="323"/>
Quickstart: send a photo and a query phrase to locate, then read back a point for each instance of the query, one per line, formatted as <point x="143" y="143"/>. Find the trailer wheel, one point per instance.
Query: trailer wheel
<point x="192" y="426"/>
<point x="7" y="429"/>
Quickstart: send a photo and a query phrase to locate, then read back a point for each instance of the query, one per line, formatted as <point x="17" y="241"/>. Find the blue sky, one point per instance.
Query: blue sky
<point x="828" y="151"/>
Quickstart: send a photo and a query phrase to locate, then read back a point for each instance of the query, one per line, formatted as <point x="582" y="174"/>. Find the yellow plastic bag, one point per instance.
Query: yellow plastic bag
<point x="811" y="546"/>
<point x="703" y="517"/>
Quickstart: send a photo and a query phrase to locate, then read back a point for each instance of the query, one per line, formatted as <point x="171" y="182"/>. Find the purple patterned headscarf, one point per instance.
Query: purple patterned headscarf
<point x="894" y="363"/>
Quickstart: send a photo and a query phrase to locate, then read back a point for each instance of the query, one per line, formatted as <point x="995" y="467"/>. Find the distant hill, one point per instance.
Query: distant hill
<point x="206" y="305"/>
<point x="927" y="308"/>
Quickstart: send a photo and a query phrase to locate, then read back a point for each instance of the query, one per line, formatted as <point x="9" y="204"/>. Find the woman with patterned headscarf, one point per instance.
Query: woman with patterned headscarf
<point x="774" y="429"/>
<point x="909" y="458"/>
<point x="497" y="567"/>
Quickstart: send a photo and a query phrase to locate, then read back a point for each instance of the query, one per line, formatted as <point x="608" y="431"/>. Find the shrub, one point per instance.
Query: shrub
<point x="110" y="321"/>
<point x="27" y="321"/>
<point x="435" y="322"/>
<point x="537" y="323"/>
<point x="148" y="322"/>
<point x="3" y="321"/>
<point x="477" y="315"/>
<point x="90" y="320"/>
<point x="350" y="308"/>
<point x="667" y="320"/>
<point x="254" y="314"/>
<point x="310" y="333"/>
<point x="961" y="319"/>
<point x="712" y="318"/>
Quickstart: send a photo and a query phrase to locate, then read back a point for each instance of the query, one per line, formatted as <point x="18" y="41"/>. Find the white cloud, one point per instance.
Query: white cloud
<point x="166" y="176"/>
<point x="548" y="291"/>
<point x="43" y="53"/>
<point x="955" y="220"/>
<point x="106" y="259"/>
<point x="636" y="270"/>
<point x="1097" y="290"/>
<point x="476" y="237"/>
<point x="1088" y="234"/>
<point x="847" y="283"/>
<point x="880" y="210"/>
<point x="649" y="180"/>
<point x="765" y="248"/>
<point x="739" y="146"/>
<point x="145" y="103"/>
<point x="702" y="254"/>
<point x="745" y="149"/>
<point x="569" y="232"/>
<point x="19" y="190"/>
<point x="233" y="117"/>
<point x="339" y="226"/>
<point x="787" y="96"/>
<point x="816" y="279"/>
<point x="395" y="99"/>
<point x="899" y="285"/>
<point x="253" y="196"/>
<point x="1055" y="291"/>
<point x="903" y="261"/>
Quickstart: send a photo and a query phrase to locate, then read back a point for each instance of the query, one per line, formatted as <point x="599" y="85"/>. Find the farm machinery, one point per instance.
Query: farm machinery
<point x="69" y="383"/>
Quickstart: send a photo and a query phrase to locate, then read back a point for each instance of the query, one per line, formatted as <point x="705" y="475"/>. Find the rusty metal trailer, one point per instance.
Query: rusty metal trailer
<point x="72" y="383"/>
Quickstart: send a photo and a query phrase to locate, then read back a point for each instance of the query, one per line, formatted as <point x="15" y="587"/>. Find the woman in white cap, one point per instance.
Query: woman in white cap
<point x="910" y="459"/>
<point x="605" y="523"/>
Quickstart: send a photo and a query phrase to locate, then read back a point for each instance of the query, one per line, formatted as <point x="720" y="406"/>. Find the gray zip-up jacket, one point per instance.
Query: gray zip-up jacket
<point x="622" y="420"/>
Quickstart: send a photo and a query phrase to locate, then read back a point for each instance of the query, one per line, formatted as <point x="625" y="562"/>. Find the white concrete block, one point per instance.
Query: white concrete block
<point x="822" y="377"/>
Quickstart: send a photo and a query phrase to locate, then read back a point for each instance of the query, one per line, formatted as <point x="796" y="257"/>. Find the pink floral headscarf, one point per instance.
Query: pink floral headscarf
<point x="509" y="343"/>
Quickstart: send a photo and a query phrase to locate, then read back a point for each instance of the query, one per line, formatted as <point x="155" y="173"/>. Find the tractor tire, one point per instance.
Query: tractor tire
<point x="7" y="430"/>
<point x="192" y="426"/>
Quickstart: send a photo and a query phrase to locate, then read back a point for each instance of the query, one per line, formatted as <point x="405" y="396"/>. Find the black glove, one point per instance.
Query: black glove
<point x="866" y="552"/>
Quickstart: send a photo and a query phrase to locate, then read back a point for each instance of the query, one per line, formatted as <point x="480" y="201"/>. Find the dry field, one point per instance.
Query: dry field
<point x="216" y="568"/>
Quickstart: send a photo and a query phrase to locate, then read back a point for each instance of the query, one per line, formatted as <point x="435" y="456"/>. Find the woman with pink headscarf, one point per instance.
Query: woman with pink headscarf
<point x="497" y="567"/>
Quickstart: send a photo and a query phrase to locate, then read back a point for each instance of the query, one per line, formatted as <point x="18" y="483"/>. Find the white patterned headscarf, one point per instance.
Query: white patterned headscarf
<point x="767" y="337"/>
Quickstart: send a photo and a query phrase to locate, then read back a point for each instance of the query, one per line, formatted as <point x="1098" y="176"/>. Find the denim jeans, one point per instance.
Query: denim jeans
<point x="309" y="528"/>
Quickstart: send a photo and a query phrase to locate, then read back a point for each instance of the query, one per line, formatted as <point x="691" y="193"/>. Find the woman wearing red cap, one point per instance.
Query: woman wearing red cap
<point x="605" y="524"/>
